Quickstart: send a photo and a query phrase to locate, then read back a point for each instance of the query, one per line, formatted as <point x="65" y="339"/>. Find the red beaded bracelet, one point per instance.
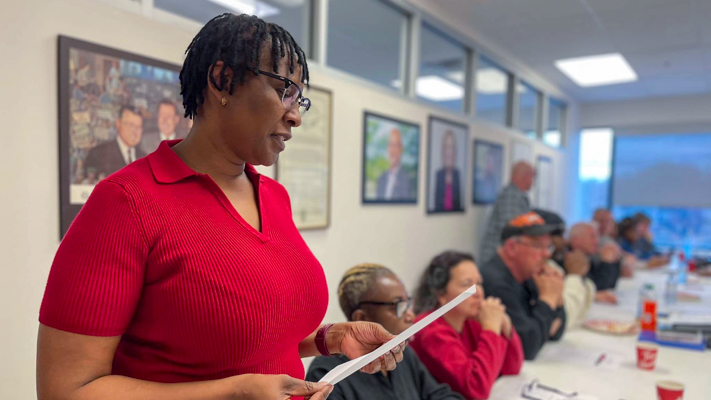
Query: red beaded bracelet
<point x="321" y="340"/>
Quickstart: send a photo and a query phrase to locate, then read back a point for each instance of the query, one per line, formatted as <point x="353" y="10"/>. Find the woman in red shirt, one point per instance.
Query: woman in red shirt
<point x="184" y="277"/>
<point x="474" y="343"/>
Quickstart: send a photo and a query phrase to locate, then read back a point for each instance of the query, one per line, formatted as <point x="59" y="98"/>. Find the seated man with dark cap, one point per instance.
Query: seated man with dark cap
<point x="531" y="290"/>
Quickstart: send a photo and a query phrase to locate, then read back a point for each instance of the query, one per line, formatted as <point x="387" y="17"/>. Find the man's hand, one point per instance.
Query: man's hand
<point x="606" y="297"/>
<point x="610" y="253"/>
<point x="550" y="288"/>
<point x="576" y="263"/>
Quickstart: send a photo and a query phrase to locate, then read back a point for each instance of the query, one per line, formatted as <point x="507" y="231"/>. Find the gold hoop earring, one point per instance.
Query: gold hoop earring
<point x="224" y="102"/>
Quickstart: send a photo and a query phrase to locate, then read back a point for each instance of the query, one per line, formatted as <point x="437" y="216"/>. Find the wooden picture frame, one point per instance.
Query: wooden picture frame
<point x="96" y="84"/>
<point x="304" y="168"/>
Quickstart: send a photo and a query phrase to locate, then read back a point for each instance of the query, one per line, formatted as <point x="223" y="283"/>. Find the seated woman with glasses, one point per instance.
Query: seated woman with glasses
<point x="475" y="343"/>
<point x="371" y="292"/>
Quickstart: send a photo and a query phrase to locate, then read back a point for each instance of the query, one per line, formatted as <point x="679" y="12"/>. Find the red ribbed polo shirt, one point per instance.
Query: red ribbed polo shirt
<point x="160" y="256"/>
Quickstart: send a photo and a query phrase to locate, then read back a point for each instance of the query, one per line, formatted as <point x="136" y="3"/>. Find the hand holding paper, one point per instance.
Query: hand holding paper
<point x="360" y="338"/>
<point x="344" y="370"/>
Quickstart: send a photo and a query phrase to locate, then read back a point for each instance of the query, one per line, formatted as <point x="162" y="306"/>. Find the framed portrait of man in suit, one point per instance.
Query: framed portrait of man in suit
<point x="114" y="108"/>
<point x="447" y="166"/>
<point x="391" y="160"/>
<point x="488" y="171"/>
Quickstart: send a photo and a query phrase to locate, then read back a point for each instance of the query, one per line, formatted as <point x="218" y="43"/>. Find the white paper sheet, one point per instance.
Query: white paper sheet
<point x="343" y="371"/>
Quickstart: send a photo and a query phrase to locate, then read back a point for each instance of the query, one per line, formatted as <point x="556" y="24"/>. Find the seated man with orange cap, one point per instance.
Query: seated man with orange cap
<point x="531" y="290"/>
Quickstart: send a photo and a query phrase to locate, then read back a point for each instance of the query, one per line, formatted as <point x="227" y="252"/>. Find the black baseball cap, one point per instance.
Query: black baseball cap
<point x="552" y="218"/>
<point x="529" y="224"/>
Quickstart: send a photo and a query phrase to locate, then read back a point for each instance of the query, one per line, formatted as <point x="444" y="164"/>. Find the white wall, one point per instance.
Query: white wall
<point x="667" y="111"/>
<point x="402" y="237"/>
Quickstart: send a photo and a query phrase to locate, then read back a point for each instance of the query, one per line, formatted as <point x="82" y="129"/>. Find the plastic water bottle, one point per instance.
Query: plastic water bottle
<point x="681" y="270"/>
<point x="645" y="292"/>
<point x="670" y="290"/>
<point x="674" y="262"/>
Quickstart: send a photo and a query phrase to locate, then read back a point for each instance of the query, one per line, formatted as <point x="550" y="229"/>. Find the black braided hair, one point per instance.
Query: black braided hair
<point x="435" y="279"/>
<point x="237" y="41"/>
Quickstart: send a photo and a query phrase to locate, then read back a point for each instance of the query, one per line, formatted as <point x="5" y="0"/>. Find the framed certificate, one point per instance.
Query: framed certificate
<point x="305" y="167"/>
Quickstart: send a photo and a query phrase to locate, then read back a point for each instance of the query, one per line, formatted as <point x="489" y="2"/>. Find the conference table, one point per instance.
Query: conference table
<point x="574" y="364"/>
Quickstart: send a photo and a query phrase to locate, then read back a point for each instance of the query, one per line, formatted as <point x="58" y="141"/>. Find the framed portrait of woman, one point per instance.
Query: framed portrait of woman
<point x="446" y="166"/>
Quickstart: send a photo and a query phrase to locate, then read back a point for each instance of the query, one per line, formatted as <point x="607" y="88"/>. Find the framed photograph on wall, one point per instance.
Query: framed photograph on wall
<point x="447" y="166"/>
<point x="391" y="155"/>
<point x="114" y="107"/>
<point x="544" y="183"/>
<point x="305" y="167"/>
<point x="488" y="171"/>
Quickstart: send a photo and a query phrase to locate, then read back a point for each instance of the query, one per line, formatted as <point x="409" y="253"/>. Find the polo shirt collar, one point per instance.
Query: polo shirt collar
<point x="167" y="167"/>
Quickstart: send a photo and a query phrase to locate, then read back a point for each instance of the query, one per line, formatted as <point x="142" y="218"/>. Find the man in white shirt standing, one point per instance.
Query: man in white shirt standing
<point x="112" y="155"/>
<point x="395" y="184"/>
<point x="167" y="118"/>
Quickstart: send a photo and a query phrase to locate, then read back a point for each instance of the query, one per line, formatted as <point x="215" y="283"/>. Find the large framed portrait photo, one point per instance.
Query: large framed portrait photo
<point x="488" y="171"/>
<point x="447" y="165"/>
<point x="114" y="108"/>
<point x="391" y="153"/>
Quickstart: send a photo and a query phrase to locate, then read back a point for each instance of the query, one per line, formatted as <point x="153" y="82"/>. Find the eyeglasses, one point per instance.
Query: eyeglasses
<point x="292" y="94"/>
<point x="401" y="306"/>
<point x="550" y="248"/>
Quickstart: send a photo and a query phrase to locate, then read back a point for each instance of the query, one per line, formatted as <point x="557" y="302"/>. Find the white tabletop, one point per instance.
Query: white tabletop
<point x="569" y="364"/>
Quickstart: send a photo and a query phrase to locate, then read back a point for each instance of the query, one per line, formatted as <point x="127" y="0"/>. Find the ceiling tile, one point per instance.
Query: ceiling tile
<point x="677" y="85"/>
<point x="668" y="42"/>
<point x="582" y="37"/>
<point x="616" y="5"/>
<point x="667" y="63"/>
<point x="653" y="28"/>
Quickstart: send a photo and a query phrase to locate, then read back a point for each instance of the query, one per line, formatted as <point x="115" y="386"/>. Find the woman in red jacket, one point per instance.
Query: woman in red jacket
<point x="183" y="277"/>
<point x="474" y="343"/>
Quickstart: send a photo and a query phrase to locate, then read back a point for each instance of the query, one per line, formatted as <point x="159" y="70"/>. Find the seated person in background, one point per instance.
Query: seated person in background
<point x="606" y="226"/>
<point x="603" y="263"/>
<point x="579" y="291"/>
<point x="370" y="292"/>
<point x="645" y="245"/>
<point x="629" y="237"/>
<point x="531" y="290"/>
<point x="472" y="345"/>
<point x="607" y="232"/>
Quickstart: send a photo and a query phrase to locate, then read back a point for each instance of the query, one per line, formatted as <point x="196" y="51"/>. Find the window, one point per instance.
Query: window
<point x="594" y="171"/>
<point x="553" y="135"/>
<point x="291" y="15"/>
<point x="528" y="109"/>
<point x="492" y="84"/>
<point x="367" y="38"/>
<point x="442" y="69"/>
<point x="668" y="177"/>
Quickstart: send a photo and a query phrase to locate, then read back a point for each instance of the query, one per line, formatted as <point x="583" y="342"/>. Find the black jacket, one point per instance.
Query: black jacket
<point x="106" y="158"/>
<point x="440" y="186"/>
<point x="531" y="318"/>
<point x="409" y="381"/>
